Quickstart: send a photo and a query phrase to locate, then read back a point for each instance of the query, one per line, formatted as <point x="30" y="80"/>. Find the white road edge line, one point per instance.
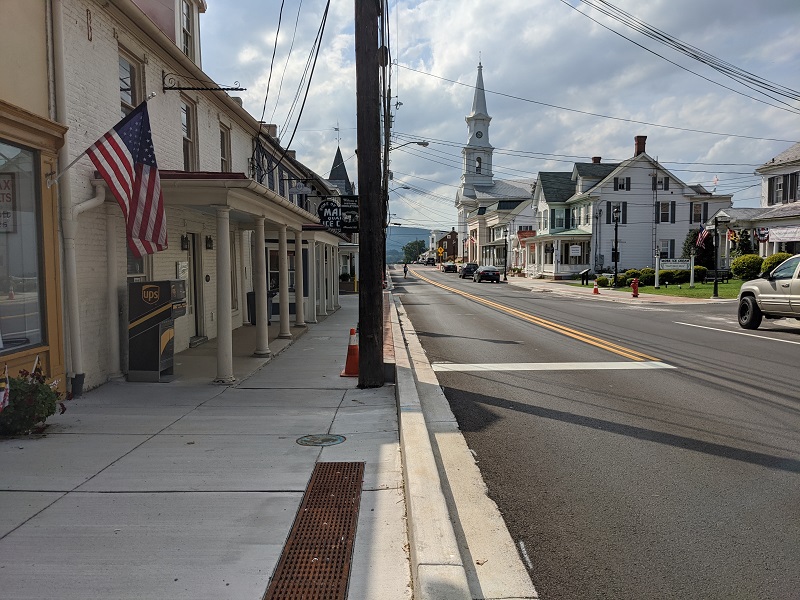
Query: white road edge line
<point x="565" y="366"/>
<point x="761" y="337"/>
<point x="525" y="556"/>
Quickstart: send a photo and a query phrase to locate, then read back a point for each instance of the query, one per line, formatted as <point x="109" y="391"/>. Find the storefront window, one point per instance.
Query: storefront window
<point x="21" y="286"/>
<point x="274" y="275"/>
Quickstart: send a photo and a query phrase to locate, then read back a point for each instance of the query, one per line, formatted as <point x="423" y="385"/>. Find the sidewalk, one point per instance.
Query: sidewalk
<point x="189" y="489"/>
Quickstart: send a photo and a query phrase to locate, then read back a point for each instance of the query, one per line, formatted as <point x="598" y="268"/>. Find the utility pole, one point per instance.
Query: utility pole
<point x="371" y="198"/>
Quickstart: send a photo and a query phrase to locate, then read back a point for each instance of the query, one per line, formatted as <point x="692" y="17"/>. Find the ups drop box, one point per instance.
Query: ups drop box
<point x="153" y="307"/>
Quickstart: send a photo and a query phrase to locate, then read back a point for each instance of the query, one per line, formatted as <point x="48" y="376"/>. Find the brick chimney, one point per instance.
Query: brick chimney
<point x="640" y="140"/>
<point x="596" y="160"/>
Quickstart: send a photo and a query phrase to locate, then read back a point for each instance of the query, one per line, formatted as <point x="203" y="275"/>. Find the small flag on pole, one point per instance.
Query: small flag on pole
<point x="126" y="160"/>
<point x="701" y="237"/>
<point x="5" y="390"/>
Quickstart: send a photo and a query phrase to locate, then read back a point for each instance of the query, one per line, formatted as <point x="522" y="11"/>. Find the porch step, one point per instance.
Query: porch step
<point x="197" y="340"/>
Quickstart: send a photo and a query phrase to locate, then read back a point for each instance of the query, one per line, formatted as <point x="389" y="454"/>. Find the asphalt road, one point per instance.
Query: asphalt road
<point x="634" y="452"/>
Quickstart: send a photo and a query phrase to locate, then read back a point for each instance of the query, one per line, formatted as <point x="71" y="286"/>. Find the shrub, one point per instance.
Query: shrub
<point x="31" y="401"/>
<point x="602" y="281"/>
<point x="746" y="267"/>
<point x="647" y="276"/>
<point x="773" y="261"/>
<point x="700" y="273"/>
<point x="680" y="276"/>
<point x="633" y="273"/>
<point x="621" y="280"/>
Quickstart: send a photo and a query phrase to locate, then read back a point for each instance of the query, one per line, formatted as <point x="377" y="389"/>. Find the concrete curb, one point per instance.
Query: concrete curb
<point x="436" y="566"/>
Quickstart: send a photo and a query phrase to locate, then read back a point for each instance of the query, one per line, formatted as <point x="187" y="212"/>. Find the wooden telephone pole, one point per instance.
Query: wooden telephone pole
<point x="370" y="196"/>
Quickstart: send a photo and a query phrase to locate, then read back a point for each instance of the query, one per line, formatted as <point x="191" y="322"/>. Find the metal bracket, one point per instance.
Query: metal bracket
<point x="169" y="81"/>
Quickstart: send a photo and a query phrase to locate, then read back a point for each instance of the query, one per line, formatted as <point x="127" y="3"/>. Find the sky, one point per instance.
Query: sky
<point x="546" y="66"/>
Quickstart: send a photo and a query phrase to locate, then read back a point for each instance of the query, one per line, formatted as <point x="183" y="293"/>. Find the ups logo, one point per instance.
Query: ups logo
<point x="151" y="293"/>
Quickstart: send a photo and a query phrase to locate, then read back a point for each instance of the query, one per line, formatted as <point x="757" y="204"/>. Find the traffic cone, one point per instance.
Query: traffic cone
<point x="596" y="289"/>
<point x="351" y="365"/>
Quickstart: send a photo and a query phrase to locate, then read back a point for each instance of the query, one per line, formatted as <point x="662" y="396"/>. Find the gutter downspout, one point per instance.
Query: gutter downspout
<point x="69" y="212"/>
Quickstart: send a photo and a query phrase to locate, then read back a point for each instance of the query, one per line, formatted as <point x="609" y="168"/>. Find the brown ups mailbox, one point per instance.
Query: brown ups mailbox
<point x="153" y="307"/>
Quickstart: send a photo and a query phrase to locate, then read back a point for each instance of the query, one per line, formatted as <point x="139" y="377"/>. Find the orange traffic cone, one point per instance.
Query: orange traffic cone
<point x="351" y="365"/>
<point x="596" y="289"/>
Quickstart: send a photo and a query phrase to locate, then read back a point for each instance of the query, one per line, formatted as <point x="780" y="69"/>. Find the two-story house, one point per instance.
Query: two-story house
<point x="636" y="206"/>
<point x="238" y="219"/>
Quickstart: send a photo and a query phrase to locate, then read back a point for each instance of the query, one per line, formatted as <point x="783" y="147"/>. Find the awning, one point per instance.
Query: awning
<point x="789" y="233"/>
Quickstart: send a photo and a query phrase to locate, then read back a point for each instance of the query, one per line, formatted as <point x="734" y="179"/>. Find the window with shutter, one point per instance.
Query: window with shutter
<point x="663" y="216"/>
<point x="672" y="211"/>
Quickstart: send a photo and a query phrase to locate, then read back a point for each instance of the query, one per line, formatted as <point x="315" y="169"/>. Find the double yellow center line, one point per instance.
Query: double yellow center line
<point x="552" y="326"/>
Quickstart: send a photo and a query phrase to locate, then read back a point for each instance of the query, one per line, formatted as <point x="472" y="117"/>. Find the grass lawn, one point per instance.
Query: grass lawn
<point x="701" y="290"/>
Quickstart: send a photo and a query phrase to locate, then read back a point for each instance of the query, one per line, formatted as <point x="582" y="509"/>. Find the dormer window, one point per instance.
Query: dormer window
<point x="478" y="165"/>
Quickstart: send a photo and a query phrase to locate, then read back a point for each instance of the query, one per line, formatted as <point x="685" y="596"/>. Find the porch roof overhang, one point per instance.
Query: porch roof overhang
<point x="247" y="199"/>
<point x="569" y="234"/>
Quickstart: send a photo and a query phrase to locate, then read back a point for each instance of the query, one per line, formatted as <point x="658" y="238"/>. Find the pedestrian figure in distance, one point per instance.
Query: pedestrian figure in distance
<point x="405" y="271"/>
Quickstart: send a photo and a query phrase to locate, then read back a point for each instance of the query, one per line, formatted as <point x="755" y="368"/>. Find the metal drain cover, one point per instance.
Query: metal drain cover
<point x="321" y="439"/>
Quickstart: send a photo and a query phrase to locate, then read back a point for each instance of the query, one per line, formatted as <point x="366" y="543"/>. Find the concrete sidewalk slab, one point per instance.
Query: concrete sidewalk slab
<point x="253" y="420"/>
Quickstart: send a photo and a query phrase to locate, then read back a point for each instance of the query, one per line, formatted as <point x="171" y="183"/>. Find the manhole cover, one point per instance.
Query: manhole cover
<point x="321" y="439"/>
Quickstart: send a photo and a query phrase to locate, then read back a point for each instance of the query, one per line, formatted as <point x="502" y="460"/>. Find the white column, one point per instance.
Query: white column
<point x="241" y="236"/>
<point x="283" y="283"/>
<point x="323" y="303"/>
<point x="260" y="288"/>
<point x="299" y="288"/>
<point x="332" y="267"/>
<point x="336" y="280"/>
<point x="224" y="321"/>
<point x="312" y="281"/>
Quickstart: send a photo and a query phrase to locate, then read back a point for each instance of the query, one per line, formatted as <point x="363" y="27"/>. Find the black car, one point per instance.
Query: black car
<point x="486" y="273"/>
<point x="450" y="267"/>
<point x="467" y="270"/>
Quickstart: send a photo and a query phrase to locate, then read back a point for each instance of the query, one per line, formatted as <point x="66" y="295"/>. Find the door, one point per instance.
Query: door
<point x="777" y="294"/>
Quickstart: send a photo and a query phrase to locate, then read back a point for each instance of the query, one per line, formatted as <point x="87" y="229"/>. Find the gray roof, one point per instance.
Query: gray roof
<point x="790" y="155"/>
<point x="504" y="205"/>
<point x="782" y="211"/>
<point x="338" y="176"/>
<point x="505" y="189"/>
<point x="595" y="170"/>
<point x="557" y="186"/>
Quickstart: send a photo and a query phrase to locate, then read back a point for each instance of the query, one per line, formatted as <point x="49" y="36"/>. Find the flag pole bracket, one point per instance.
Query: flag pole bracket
<point x="169" y="81"/>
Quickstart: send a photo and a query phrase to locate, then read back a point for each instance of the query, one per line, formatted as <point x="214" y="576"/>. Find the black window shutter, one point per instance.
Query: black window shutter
<point x="672" y="248"/>
<point x="672" y="211"/>
<point x="770" y="191"/>
<point x="654" y="181"/>
<point x="705" y="212"/>
<point x="691" y="213"/>
<point x="608" y="212"/>
<point x="628" y="184"/>
<point x="624" y="212"/>
<point x="666" y="183"/>
<point x="785" y="189"/>
<point x="616" y="183"/>
<point x="567" y="217"/>
<point x="552" y="218"/>
<point x="658" y="212"/>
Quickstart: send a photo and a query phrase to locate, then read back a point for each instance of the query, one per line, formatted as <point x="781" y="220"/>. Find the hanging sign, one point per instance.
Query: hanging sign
<point x="330" y="214"/>
<point x="8" y="203"/>
<point x="349" y="214"/>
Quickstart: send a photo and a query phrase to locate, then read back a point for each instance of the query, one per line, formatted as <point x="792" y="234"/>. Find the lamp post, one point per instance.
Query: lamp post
<point x="505" y="262"/>
<point x="615" y="212"/>
<point x="716" y="258"/>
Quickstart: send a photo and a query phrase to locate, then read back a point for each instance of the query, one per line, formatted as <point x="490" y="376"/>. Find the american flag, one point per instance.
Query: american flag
<point x="126" y="160"/>
<point x="701" y="237"/>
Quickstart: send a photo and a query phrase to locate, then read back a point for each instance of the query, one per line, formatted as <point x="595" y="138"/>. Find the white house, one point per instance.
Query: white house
<point x="775" y="225"/>
<point x="237" y="219"/>
<point x="638" y="203"/>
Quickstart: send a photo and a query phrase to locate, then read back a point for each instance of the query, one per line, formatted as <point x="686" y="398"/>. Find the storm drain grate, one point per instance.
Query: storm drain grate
<point x="315" y="562"/>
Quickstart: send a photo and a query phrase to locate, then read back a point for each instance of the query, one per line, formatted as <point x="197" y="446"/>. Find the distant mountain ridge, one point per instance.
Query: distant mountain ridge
<point x="397" y="237"/>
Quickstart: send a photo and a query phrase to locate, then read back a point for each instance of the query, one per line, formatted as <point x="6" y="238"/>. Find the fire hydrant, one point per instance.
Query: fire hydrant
<point x="635" y="287"/>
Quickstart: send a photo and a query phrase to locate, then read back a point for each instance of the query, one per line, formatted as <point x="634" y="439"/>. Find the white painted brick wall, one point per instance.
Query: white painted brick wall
<point x="93" y="107"/>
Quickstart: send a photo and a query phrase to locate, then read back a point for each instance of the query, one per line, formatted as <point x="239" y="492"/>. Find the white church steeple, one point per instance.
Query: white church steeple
<point x="477" y="154"/>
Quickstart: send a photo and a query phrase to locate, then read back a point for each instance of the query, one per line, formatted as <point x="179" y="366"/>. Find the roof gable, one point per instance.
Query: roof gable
<point x="556" y="186"/>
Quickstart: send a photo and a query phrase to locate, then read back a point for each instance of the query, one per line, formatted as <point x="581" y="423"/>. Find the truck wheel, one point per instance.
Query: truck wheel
<point x="749" y="313"/>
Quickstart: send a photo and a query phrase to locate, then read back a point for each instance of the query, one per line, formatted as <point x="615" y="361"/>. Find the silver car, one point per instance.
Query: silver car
<point x="774" y="295"/>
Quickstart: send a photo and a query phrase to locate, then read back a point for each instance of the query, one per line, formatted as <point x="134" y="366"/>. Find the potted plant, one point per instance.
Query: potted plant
<point x="26" y="401"/>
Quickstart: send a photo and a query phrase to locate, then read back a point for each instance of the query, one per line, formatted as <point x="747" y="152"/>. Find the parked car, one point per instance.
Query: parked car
<point x="430" y="261"/>
<point x="486" y="273"/>
<point x="773" y="296"/>
<point x="450" y="267"/>
<point x="467" y="270"/>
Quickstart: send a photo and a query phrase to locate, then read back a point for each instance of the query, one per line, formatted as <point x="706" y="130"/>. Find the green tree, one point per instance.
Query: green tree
<point x="703" y="256"/>
<point x="745" y="243"/>
<point x="412" y="250"/>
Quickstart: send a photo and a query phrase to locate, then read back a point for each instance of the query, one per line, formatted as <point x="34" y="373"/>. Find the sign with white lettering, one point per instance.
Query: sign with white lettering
<point x="675" y="263"/>
<point x="8" y="203"/>
<point x="575" y="250"/>
<point x="349" y="214"/>
<point x="330" y="214"/>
